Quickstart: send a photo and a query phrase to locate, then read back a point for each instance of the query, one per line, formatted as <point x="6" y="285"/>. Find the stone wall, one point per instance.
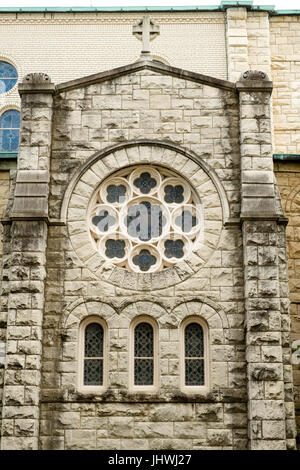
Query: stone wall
<point x="288" y="178"/>
<point x="5" y="178"/>
<point x="144" y="105"/>
<point x="284" y="45"/>
<point x="192" y="127"/>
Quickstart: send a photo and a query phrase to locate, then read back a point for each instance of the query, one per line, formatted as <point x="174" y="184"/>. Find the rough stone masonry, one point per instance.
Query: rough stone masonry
<point x="216" y="134"/>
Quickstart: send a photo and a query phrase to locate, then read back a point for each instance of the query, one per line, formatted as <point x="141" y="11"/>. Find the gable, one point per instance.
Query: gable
<point x="154" y="66"/>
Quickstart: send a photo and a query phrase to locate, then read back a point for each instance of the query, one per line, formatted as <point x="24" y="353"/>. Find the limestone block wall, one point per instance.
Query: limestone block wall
<point x="284" y="44"/>
<point x="202" y="119"/>
<point x="287" y="175"/>
<point x="4" y="193"/>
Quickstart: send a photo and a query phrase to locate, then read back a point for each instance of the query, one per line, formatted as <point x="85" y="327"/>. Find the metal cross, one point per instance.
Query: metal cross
<point x="146" y="30"/>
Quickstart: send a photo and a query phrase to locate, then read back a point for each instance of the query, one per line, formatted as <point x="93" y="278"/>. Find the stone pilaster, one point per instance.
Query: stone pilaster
<point x="26" y="268"/>
<point x="266" y="309"/>
<point x="236" y="42"/>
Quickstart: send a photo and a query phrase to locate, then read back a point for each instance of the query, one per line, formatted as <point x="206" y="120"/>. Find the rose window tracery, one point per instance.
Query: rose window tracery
<point x="145" y="218"/>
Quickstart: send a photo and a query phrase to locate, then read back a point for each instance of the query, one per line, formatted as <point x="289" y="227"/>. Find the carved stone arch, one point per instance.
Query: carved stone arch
<point x="11" y="104"/>
<point x="82" y="308"/>
<point x="188" y="165"/>
<point x="143" y="307"/>
<point x="292" y="204"/>
<point x="205" y="308"/>
<point x="127" y="156"/>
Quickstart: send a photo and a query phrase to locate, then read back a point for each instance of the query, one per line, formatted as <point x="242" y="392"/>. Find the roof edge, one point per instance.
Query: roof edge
<point x="150" y="65"/>
<point x="223" y="5"/>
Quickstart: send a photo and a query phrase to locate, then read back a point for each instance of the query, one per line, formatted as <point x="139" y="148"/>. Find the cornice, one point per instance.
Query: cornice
<point x="118" y="18"/>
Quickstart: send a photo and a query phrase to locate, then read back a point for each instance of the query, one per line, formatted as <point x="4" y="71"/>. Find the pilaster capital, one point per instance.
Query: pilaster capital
<point x="36" y="83"/>
<point x="254" y="80"/>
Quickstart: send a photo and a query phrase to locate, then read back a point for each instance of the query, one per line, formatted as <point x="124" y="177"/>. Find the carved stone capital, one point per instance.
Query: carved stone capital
<point x="37" y="78"/>
<point x="254" y="80"/>
<point x="36" y="83"/>
<point x="254" y="75"/>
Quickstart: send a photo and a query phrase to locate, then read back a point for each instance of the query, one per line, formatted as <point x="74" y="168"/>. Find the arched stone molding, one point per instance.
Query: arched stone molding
<point x="169" y="323"/>
<point x="87" y="179"/>
<point x="217" y="327"/>
<point x="9" y="104"/>
<point x="82" y="308"/>
<point x="210" y="310"/>
<point x="292" y="204"/>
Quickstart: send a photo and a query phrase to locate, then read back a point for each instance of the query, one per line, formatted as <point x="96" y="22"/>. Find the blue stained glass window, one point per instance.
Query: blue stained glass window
<point x="143" y="352"/>
<point x="9" y="131"/>
<point x="8" y="76"/>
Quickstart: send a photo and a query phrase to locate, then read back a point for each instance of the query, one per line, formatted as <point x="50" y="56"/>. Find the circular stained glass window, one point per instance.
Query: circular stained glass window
<point x="145" y="218"/>
<point x="8" y="76"/>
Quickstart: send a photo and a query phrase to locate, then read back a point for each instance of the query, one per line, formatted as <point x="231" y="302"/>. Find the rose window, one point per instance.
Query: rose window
<point x="145" y="219"/>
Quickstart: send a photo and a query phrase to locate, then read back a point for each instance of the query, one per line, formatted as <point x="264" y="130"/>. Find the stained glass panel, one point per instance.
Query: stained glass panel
<point x="174" y="248"/>
<point x="143" y="372"/>
<point x="143" y="352"/>
<point x="174" y="194"/>
<point x="194" y="350"/>
<point x="93" y="372"/>
<point x="186" y="221"/>
<point x="116" y="193"/>
<point x="194" y="340"/>
<point x="103" y="221"/>
<point x="143" y="340"/>
<point x="194" y="372"/>
<point x="145" y="221"/>
<point x="115" y="248"/>
<point x="144" y="260"/>
<point x="9" y="131"/>
<point x="145" y="183"/>
<point x="8" y="76"/>
<point x="93" y="345"/>
<point x="153" y="210"/>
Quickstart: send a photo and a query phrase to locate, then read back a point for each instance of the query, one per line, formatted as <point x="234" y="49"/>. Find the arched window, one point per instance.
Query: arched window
<point x="9" y="131"/>
<point x="8" y="76"/>
<point x="194" y="354"/>
<point x="144" y="354"/>
<point x="92" y="354"/>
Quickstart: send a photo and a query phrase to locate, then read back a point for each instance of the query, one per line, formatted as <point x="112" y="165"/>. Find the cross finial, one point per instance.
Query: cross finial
<point x="146" y="30"/>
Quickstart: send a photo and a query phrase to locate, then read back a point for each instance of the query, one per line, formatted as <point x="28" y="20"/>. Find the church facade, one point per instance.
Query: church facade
<point x="145" y="297"/>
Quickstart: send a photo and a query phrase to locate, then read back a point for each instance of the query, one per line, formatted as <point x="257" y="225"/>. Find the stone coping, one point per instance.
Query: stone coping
<point x="150" y="65"/>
